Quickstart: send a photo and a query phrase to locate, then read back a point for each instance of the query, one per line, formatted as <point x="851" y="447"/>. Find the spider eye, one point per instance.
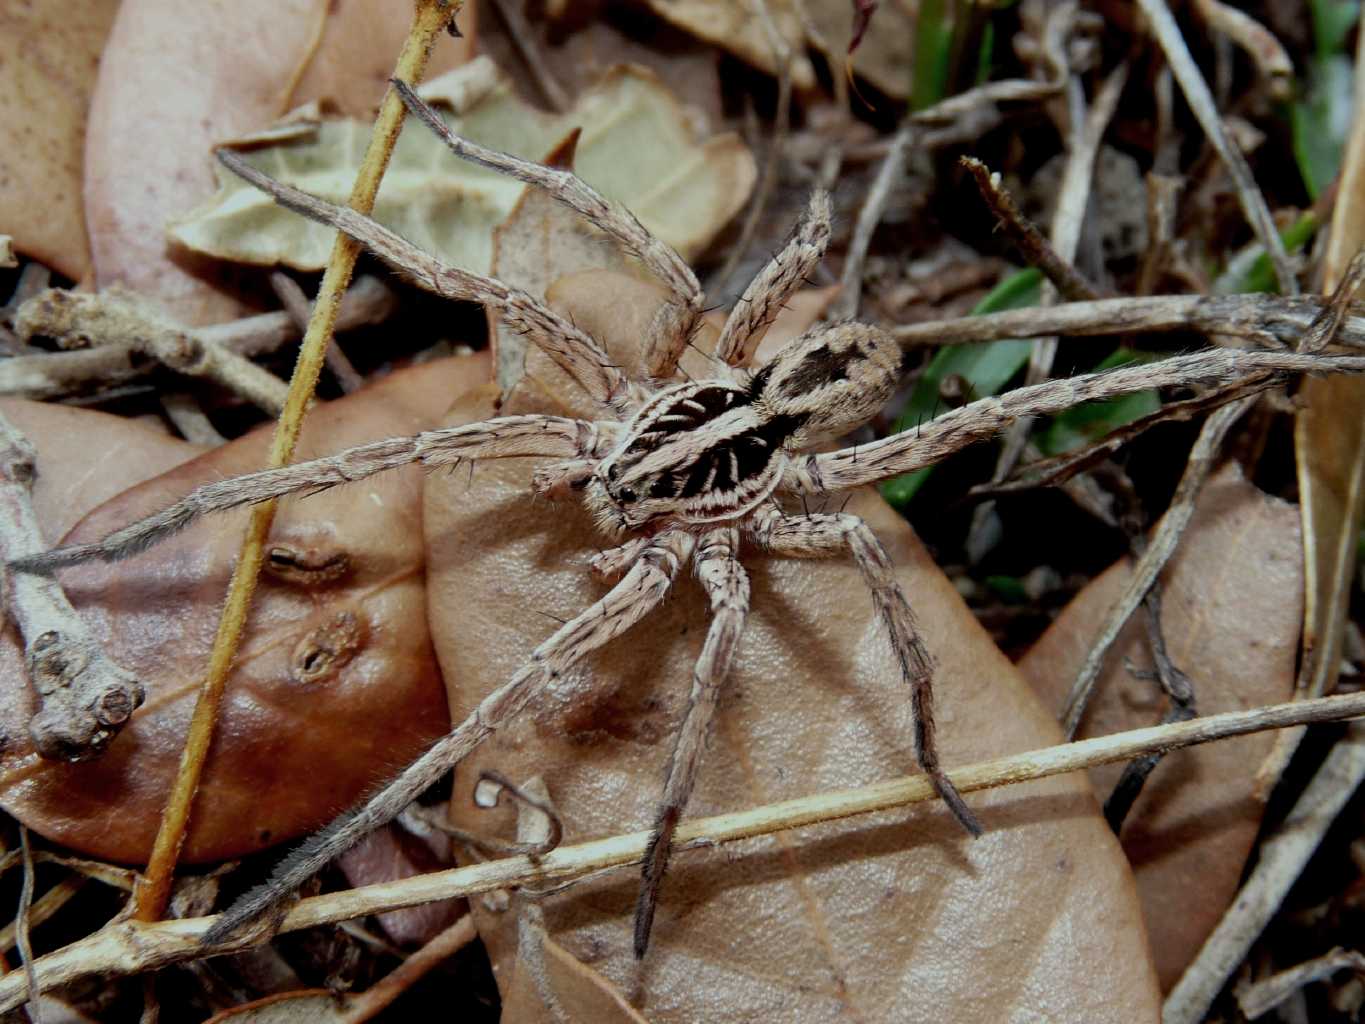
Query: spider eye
<point x="627" y="495"/>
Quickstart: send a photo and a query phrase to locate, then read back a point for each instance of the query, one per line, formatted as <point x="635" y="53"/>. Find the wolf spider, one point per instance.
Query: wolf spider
<point x="678" y="471"/>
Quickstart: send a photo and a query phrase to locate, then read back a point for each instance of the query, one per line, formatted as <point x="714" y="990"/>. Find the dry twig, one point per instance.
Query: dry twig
<point x="60" y="374"/>
<point x="83" y="697"/>
<point x="1261" y="997"/>
<point x="1036" y="250"/>
<point x="1205" y="110"/>
<point x="129" y="947"/>
<point x="1282" y="859"/>
<point x="1259" y="43"/>
<point x="118" y="318"/>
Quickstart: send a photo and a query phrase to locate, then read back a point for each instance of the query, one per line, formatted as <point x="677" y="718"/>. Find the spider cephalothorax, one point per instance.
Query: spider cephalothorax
<point x="708" y="451"/>
<point x="680" y="471"/>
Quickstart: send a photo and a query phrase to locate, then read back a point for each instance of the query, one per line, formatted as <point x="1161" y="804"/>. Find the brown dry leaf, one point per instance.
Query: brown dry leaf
<point x="49" y="53"/>
<point x="738" y="28"/>
<point x="393" y="852"/>
<point x="152" y="122"/>
<point x="541" y="241"/>
<point x="335" y="682"/>
<point x="1231" y="604"/>
<point x="580" y="992"/>
<point x="1329" y="451"/>
<point x="892" y="917"/>
<point x="884" y="58"/>
<point x="637" y="146"/>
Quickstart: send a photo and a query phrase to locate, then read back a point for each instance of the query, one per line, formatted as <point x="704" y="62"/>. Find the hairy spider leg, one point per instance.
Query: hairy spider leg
<point x="675" y="320"/>
<point x="727" y="587"/>
<point x="1235" y="371"/>
<point x="510" y="436"/>
<point x="638" y="593"/>
<point x="573" y="350"/>
<point x="820" y="536"/>
<point x="770" y="289"/>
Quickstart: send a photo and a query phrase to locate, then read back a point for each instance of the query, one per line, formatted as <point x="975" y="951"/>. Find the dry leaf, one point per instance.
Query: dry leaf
<point x="393" y="852"/>
<point x="885" y="57"/>
<point x="335" y="683"/>
<point x="541" y="241"/>
<point x="637" y="146"/>
<point x="738" y="28"/>
<point x="1329" y="452"/>
<point x="152" y="123"/>
<point x="1231" y="605"/>
<point x="891" y="917"/>
<point x="581" y="992"/>
<point x="49" y="53"/>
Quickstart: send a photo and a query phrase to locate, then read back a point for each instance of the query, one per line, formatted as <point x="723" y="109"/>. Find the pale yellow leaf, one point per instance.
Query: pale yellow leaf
<point x="637" y="146"/>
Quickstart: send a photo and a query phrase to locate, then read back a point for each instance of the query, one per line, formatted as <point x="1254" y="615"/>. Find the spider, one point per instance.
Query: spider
<point x="678" y="471"/>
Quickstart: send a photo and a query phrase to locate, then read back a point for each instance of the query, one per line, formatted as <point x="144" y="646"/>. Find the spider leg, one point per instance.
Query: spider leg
<point x="1235" y="372"/>
<point x="642" y="588"/>
<point x="673" y="325"/>
<point x="507" y="437"/>
<point x="819" y="536"/>
<point x="572" y="350"/>
<point x="768" y="292"/>
<point x="727" y="586"/>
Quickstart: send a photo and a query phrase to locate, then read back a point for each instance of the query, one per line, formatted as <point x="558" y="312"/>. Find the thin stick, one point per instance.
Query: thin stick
<point x="523" y="41"/>
<point x="42" y="908"/>
<point x="21" y="925"/>
<point x="1036" y="250"/>
<point x="60" y="374"/>
<point x="1263" y="996"/>
<point x="1201" y="102"/>
<point x="1266" y="321"/>
<point x="1165" y="538"/>
<point x="893" y="167"/>
<point x="300" y="310"/>
<point x="374" y="999"/>
<point x="130" y="946"/>
<point x="1281" y="860"/>
<point x="120" y="318"/>
<point x="1260" y="44"/>
<point x="429" y="20"/>
<point x="767" y="179"/>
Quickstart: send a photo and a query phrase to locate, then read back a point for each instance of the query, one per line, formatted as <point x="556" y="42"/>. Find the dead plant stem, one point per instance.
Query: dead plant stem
<point x="132" y="946"/>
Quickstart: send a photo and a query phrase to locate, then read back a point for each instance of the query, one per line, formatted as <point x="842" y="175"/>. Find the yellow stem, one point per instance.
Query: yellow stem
<point x="153" y="891"/>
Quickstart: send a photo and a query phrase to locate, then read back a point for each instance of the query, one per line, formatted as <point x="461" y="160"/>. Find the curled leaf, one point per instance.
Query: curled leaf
<point x="152" y="122"/>
<point x="637" y="146"/>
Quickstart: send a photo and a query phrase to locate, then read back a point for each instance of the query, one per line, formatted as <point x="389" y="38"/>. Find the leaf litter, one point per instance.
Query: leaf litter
<point x="636" y="145"/>
<point x="634" y="731"/>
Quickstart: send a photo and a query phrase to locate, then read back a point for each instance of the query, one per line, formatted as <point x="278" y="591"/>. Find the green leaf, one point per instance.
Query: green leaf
<point x="986" y="368"/>
<point x="1009" y="588"/>
<point x="933" y="51"/>
<point x="1332" y="21"/>
<point x="1321" y="120"/>
<point x="1087" y="423"/>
